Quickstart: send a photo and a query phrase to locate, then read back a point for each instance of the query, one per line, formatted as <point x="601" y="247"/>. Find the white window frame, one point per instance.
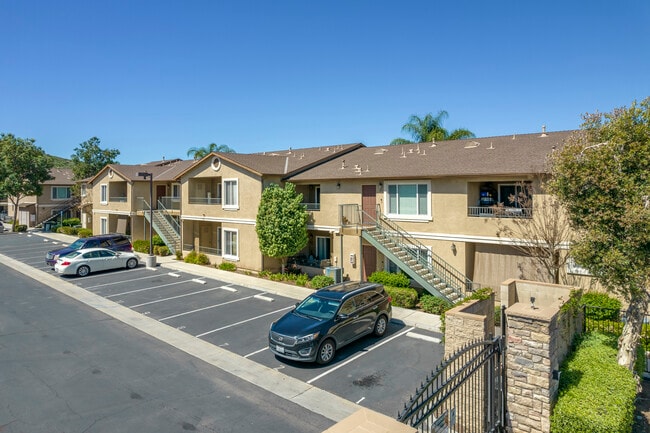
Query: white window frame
<point x="103" y="193"/>
<point x="426" y="216"/>
<point x="228" y="194"/>
<point x="103" y="225"/>
<point x="54" y="188"/>
<point x="227" y="252"/>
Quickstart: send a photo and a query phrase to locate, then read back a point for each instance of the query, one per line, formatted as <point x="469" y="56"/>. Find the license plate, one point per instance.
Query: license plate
<point x="280" y="349"/>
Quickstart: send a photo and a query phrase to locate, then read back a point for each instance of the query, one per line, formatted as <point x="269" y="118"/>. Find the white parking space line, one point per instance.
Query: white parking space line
<point x="205" y="308"/>
<point x="112" y="283"/>
<point x="228" y="289"/>
<point x="146" y="289"/>
<point x="256" y="352"/>
<point x="423" y="337"/>
<point x="354" y="358"/>
<point x="360" y="400"/>
<point x="173" y="274"/>
<point x="264" y="298"/>
<point x="174" y="297"/>
<point x="243" y="321"/>
<point x="198" y="280"/>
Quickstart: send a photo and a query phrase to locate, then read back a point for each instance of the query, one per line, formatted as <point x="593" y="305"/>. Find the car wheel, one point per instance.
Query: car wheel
<point x="82" y="271"/>
<point x="380" y="326"/>
<point x="326" y="352"/>
<point x="131" y="263"/>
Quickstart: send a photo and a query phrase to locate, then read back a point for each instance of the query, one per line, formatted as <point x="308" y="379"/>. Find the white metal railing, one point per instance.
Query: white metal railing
<point x="205" y="200"/>
<point x="117" y="199"/>
<point x="499" y="212"/>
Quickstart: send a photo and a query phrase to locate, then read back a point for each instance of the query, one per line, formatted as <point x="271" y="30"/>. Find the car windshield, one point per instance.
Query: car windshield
<point x="318" y="308"/>
<point x="79" y="243"/>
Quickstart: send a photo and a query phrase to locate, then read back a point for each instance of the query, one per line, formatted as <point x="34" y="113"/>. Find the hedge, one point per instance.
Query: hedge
<point x="596" y="395"/>
<point x="141" y="246"/>
<point x="433" y="304"/>
<point x="610" y="306"/>
<point x="405" y="297"/>
<point x="320" y="281"/>
<point x="390" y="279"/>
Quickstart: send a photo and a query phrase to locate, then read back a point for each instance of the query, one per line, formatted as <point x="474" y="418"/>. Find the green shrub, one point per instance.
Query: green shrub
<point x="71" y="222"/>
<point x="610" y="306"/>
<point x="227" y="266"/>
<point x="202" y="259"/>
<point x="179" y="255"/>
<point x="433" y="304"/>
<point x="141" y="246"/>
<point x="320" y="281"/>
<point x="191" y="257"/>
<point x="596" y="395"/>
<point x="405" y="297"/>
<point x="161" y="250"/>
<point x="302" y="280"/>
<point x="67" y="230"/>
<point x="157" y="241"/>
<point x="390" y="279"/>
<point x="20" y="228"/>
<point x="84" y="233"/>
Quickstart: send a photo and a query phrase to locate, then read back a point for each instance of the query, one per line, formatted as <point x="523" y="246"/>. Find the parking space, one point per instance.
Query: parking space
<point x="379" y="373"/>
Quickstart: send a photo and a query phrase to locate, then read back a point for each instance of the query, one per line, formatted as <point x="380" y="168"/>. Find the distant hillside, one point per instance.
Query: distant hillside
<point x="61" y="162"/>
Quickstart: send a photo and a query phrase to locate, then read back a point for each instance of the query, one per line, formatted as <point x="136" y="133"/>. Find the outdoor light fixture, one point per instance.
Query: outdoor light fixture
<point x="453" y="248"/>
<point x="150" y="261"/>
<point x="338" y="185"/>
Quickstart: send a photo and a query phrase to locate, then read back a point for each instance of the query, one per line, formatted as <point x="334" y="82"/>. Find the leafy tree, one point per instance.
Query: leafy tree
<point x="200" y="152"/>
<point x="542" y="234"/>
<point x="281" y="223"/>
<point x="429" y="128"/>
<point x="89" y="158"/>
<point x="23" y="169"/>
<point x="602" y="176"/>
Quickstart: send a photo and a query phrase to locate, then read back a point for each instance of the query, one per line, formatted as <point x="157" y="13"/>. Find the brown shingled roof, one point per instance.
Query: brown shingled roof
<point x="284" y="162"/>
<point x="167" y="172"/>
<point x="62" y="176"/>
<point x="504" y="155"/>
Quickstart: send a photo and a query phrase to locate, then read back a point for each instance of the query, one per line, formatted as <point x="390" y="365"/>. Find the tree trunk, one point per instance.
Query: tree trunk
<point x="629" y="339"/>
<point x="14" y="223"/>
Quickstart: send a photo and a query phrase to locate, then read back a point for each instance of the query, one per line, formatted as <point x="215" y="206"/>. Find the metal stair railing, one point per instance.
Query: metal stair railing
<point x="165" y="229"/>
<point x="453" y="279"/>
<point x="62" y="207"/>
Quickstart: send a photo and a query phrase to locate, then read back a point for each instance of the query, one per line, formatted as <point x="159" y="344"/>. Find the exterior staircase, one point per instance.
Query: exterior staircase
<point x="166" y="226"/>
<point x="70" y="203"/>
<point x="414" y="259"/>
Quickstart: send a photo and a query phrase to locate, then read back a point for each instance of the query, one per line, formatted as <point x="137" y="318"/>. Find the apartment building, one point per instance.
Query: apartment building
<point x="56" y="201"/>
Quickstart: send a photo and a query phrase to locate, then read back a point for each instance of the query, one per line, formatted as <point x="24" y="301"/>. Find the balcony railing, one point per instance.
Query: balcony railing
<point x="205" y="250"/>
<point x="499" y="212"/>
<point x="117" y="199"/>
<point x="170" y="203"/>
<point x="312" y="206"/>
<point x="205" y="200"/>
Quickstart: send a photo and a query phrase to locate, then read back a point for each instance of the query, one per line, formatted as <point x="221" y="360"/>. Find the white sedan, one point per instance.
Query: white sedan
<point x="87" y="260"/>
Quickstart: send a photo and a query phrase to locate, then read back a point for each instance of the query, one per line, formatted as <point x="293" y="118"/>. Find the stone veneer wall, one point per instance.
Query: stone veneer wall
<point x="538" y="339"/>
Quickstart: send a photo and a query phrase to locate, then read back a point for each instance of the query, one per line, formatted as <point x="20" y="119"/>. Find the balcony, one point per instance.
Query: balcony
<point x="205" y="200"/>
<point x="499" y="212"/>
<point x="117" y="199"/>
<point x="311" y="206"/>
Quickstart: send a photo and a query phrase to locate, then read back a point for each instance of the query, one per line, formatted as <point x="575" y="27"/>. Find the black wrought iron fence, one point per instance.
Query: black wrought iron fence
<point x="611" y="321"/>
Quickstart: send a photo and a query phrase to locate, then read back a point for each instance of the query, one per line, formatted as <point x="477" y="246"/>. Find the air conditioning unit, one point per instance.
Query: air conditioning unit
<point x="335" y="272"/>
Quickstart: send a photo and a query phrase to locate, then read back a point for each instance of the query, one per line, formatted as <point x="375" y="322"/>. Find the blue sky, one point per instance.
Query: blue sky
<point x="154" y="78"/>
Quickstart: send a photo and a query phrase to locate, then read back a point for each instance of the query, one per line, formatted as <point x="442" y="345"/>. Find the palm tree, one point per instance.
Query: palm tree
<point x="429" y="128"/>
<point x="200" y="152"/>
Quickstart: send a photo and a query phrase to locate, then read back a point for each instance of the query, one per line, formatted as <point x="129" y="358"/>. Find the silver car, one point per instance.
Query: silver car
<point x="87" y="260"/>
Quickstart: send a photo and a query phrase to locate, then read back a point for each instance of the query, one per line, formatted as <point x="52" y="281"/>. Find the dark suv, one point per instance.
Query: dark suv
<point x="329" y="319"/>
<point x="115" y="242"/>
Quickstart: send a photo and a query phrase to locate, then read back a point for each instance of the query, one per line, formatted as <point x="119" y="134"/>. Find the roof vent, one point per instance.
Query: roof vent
<point x="472" y="145"/>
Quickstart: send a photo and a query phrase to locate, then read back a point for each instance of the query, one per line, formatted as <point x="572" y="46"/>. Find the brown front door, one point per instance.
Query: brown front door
<point x="369" y="203"/>
<point x="161" y="190"/>
<point x="369" y="261"/>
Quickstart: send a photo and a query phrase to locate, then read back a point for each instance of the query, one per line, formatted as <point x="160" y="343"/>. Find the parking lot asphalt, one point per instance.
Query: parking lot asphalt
<point x="297" y="390"/>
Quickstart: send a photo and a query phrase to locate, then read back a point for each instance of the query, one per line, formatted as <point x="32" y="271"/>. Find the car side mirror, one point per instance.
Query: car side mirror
<point x="340" y="317"/>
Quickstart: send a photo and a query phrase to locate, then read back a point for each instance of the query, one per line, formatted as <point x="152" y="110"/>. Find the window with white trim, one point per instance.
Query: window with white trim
<point x="230" y="194"/>
<point x="60" y="192"/>
<point x="230" y="244"/>
<point x="408" y="200"/>
<point x="84" y="190"/>
<point x="103" y="193"/>
<point x="103" y="225"/>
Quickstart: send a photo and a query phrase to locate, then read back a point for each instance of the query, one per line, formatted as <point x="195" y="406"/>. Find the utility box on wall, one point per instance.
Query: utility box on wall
<point x="335" y="272"/>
